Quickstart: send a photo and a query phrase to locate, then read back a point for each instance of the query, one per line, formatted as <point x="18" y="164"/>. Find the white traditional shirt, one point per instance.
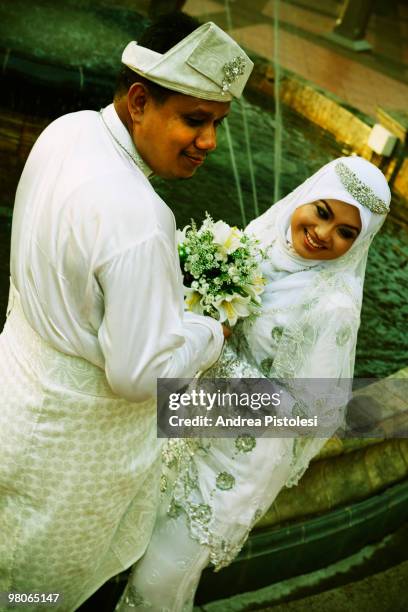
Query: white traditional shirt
<point x="94" y="258"/>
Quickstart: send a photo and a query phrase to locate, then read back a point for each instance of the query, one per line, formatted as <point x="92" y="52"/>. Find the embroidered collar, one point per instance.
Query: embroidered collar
<point x="122" y="138"/>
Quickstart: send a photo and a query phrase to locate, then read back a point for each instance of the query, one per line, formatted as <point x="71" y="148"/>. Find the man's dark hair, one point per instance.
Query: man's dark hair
<point x="160" y="36"/>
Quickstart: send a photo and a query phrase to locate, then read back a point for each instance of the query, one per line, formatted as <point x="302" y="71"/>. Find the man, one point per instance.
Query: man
<point x="96" y="315"/>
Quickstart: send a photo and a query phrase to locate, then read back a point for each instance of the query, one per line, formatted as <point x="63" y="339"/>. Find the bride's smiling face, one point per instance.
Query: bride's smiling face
<point x="324" y="229"/>
<point x="174" y="137"/>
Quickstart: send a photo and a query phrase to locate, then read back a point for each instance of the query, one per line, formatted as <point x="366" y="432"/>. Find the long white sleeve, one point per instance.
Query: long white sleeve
<point x="144" y="334"/>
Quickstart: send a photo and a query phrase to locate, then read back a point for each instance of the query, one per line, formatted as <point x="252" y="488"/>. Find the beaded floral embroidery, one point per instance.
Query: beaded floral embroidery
<point x="361" y="192"/>
<point x="225" y="481"/>
<point x="245" y="443"/>
<point x="343" y="335"/>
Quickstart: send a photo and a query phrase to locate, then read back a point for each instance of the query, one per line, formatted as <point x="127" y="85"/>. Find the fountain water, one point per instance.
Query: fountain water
<point x="235" y="173"/>
<point x="249" y="156"/>
<point x="247" y="145"/>
<point x="278" y="114"/>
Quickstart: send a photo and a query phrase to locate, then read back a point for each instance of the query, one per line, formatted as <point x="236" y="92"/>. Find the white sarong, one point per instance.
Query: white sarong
<point x="79" y="470"/>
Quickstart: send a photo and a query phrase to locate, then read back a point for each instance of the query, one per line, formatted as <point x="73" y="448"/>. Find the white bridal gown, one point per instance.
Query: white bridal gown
<point x="214" y="490"/>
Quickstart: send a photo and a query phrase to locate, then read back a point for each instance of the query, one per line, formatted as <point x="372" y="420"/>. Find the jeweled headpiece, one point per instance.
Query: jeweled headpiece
<point x="361" y="192"/>
<point x="207" y="64"/>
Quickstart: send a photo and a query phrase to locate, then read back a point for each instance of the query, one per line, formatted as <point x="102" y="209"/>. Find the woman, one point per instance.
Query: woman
<point x="318" y="239"/>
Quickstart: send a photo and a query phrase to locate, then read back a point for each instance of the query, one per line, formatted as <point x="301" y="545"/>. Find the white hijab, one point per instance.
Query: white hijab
<point x="293" y="282"/>
<point x="311" y="309"/>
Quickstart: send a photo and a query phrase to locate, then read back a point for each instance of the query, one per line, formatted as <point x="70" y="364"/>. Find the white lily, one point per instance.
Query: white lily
<point x="256" y="287"/>
<point x="181" y="234"/>
<point x="193" y="300"/>
<point x="232" y="307"/>
<point x="229" y="238"/>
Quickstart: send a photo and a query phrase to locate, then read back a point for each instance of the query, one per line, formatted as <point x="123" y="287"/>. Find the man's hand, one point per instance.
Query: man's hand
<point x="227" y="331"/>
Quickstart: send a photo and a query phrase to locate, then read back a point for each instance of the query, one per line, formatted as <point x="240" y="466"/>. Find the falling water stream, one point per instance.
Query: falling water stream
<point x="278" y="114"/>
<point x="235" y="173"/>
<point x="247" y="145"/>
<point x="249" y="156"/>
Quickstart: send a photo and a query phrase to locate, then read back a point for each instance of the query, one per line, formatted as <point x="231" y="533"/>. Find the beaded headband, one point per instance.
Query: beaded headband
<point x="361" y="192"/>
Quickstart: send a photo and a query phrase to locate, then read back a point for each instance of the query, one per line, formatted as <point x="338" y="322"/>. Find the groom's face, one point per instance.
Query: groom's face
<point x="174" y="137"/>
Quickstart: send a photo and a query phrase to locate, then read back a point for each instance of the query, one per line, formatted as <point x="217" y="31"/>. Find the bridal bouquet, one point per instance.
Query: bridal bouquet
<point x="221" y="268"/>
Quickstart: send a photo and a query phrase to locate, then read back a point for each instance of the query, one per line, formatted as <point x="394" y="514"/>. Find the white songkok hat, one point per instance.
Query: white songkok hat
<point x="206" y="64"/>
